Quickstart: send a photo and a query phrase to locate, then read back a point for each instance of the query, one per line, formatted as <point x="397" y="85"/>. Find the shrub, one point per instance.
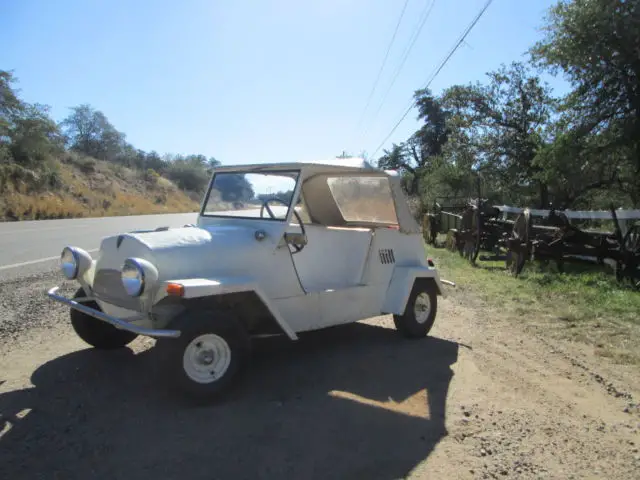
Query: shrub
<point x="188" y="176"/>
<point x="151" y="176"/>
<point x="87" y="165"/>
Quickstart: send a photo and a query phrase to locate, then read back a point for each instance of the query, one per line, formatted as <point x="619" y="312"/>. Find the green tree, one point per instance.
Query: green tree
<point x="234" y="187"/>
<point x="596" y="44"/>
<point x="190" y="172"/>
<point x="505" y="124"/>
<point x="10" y="105"/>
<point x="89" y="131"/>
<point x="28" y="135"/>
<point x="34" y="137"/>
<point x="415" y="157"/>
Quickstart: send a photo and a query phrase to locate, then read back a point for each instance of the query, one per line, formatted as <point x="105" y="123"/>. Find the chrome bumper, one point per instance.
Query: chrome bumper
<point x="116" y="322"/>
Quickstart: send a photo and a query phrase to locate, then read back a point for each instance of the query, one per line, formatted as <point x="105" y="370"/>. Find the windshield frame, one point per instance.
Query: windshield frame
<point x="290" y="172"/>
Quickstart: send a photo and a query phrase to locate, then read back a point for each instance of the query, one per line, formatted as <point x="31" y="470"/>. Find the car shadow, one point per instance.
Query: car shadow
<point x="356" y="401"/>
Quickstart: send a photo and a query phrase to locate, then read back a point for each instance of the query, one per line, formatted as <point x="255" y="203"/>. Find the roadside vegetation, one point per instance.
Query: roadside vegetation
<point x="83" y="166"/>
<point x="584" y="303"/>
<point x="527" y="145"/>
<point x="514" y="141"/>
<point x="85" y="187"/>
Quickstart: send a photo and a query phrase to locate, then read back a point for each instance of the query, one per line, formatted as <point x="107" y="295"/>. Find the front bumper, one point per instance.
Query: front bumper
<point x="116" y="322"/>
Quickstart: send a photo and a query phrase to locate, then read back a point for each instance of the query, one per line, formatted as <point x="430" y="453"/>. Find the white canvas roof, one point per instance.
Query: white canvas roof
<point x="341" y="166"/>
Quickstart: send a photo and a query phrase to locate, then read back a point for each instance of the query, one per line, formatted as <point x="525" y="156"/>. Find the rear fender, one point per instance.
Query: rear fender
<point x="401" y="284"/>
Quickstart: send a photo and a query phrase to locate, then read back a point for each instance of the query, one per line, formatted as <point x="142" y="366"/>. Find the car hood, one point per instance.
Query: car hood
<point x="184" y="252"/>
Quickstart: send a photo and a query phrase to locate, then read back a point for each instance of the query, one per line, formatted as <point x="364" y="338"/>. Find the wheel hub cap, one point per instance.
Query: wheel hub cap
<point x="422" y="308"/>
<point x="206" y="358"/>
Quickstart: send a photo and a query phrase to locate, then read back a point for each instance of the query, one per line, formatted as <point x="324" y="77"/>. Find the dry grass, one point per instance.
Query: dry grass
<point x="583" y="304"/>
<point x="89" y="188"/>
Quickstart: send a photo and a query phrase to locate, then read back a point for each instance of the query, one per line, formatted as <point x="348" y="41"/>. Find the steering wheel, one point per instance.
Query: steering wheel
<point x="265" y="206"/>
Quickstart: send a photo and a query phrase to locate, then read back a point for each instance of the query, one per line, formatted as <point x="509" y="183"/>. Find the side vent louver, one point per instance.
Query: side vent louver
<point x="386" y="255"/>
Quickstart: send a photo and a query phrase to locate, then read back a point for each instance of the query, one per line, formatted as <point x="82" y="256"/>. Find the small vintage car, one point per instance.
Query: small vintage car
<point x="278" y="249"/>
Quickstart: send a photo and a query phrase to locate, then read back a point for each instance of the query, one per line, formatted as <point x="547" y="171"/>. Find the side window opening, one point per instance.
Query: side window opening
<point x="302" y="210"/>
<point x="364" y="199"/>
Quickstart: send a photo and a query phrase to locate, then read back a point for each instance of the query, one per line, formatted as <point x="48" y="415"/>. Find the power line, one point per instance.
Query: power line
<point x="425" y="15"/>
<point x="435" y="74"/>
<point x="384" y="62"/>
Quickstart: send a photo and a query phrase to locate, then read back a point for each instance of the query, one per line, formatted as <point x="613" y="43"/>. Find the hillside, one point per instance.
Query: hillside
<point x="83" y="166"/>
<point x="78" y="186"/>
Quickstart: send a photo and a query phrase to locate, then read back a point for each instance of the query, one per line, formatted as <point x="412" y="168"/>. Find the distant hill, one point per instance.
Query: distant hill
<point x="83" y="166"/>
<point x="78" y="186"/>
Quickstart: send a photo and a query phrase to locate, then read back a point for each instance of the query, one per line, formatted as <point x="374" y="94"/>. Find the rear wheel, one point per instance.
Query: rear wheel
<point x="420" y="312"/>
<point x="95" y="332"/>
<point x="209" y="356"/>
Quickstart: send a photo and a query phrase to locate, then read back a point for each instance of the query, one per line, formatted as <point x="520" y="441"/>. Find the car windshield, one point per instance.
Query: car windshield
<point x="242" y="194"/>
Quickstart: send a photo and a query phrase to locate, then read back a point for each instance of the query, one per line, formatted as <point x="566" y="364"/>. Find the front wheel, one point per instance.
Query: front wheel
<point x="208" y="357"/>
<point x="420" y="312"/>
<point x="95" y="332"/>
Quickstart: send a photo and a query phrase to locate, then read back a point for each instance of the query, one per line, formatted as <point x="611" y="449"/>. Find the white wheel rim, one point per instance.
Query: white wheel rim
<point x="422" y="308"/>
<point x="206" y="358"/>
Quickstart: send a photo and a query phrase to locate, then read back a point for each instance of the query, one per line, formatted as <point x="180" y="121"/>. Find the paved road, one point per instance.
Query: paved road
<point x="37" y="244"/>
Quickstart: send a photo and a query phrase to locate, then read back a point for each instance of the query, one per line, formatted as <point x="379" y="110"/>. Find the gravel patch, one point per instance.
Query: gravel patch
<point x="24" y="304"/>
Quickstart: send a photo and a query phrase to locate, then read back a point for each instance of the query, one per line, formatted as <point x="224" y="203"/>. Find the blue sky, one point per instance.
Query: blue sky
<point x="253" y="81"/>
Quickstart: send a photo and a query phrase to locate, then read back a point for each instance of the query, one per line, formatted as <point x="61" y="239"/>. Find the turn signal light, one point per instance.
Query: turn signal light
<point x="175" y="289"/>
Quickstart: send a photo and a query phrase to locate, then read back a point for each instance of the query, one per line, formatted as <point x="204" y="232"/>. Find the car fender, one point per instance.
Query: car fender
<point x="206" y="287"/>
<point x="401" y="284"/>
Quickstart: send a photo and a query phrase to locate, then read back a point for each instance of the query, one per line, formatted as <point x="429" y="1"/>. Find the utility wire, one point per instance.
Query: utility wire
<point x="384" y="62"/>
<point x="425" y="15"/>
<point x="435" y="74"/>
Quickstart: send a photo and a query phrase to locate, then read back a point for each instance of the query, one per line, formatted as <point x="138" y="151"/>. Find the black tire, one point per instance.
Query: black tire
<point x="193" y="325"/>
<point x="407" y="324"/>
<point x="95" y="332"/>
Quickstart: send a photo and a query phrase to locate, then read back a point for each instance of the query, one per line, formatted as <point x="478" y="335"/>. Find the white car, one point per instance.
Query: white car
<point x="278" y="249"/>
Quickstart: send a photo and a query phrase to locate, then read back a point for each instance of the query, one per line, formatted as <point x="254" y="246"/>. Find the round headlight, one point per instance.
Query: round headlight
<point x="69" y="263"/>
<point x="133" y="278"/>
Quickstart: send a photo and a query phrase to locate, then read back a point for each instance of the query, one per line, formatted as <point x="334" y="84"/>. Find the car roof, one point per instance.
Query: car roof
<point x="340" y="166"/>
<point x="327" y="166"/>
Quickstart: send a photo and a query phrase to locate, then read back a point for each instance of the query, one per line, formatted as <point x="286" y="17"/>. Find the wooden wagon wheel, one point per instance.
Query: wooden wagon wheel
<point x="451" y="241"/>
<point x="434" y="225"/>
<point x="520" y="233"/>
<point x="477" y="231"/>
<point x="470" y="234"/>
<point x="561" y="221"/>
<point x="430" y="228"/>
<point x="628" y="269"/>
<point x="426" y="228"/>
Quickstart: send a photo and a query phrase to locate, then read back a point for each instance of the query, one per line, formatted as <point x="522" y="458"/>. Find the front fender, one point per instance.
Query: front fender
<point x="207" y="287"/>
<point x="401" y="284"/>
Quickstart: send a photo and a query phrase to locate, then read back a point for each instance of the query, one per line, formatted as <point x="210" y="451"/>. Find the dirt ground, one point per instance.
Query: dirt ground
<point x="483" y="397"/>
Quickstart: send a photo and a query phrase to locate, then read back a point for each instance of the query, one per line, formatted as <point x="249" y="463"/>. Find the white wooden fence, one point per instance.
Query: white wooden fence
<point x="578" y="214"/>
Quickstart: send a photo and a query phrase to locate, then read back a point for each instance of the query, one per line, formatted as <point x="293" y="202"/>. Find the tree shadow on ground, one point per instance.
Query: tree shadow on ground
<point x="355" y="401"/>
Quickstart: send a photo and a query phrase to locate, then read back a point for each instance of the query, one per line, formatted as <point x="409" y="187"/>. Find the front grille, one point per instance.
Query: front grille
<point x="107" y="286"/>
